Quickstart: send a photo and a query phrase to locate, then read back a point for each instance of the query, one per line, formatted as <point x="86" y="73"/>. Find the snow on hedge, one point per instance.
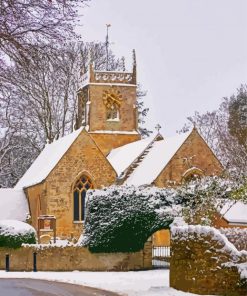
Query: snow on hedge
<point x="14" y="233"/>
<point x="121" y="218"/>
<point x="13" y="227"/>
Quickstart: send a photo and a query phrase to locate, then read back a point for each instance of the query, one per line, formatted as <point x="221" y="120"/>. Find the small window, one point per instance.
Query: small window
<point x="192" y="174"/>
<point x="80" y="191"/>
<point x="112" y="113"/>
<point x="192" y="177"/>
<point x="112" y="102"/>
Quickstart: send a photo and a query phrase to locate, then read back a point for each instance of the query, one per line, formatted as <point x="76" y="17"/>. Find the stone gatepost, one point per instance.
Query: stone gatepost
<point x="147" y="254"/>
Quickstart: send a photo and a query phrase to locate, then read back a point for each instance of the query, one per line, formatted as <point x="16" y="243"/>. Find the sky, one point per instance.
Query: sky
<point x="190" y="53"/>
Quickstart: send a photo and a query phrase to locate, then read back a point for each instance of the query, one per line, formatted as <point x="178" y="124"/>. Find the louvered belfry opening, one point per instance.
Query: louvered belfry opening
<point x="80" y="190"/>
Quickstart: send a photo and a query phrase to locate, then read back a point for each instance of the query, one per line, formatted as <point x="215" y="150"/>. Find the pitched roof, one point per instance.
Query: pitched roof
<point x="13" y="204"/>
<point x="235" y="212"/>
<point x="47" y="160"/>
<point x="120" y="158"/>
<point x="155" y="156"/>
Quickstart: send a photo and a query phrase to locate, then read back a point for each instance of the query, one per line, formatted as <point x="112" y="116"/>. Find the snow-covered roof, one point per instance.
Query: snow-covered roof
<point x="120" y="158"/>
<point x="47" y="160"/>
<point x="235" y="212"/>
<point x="13" y="204"/>
<point x="156" y="158"/>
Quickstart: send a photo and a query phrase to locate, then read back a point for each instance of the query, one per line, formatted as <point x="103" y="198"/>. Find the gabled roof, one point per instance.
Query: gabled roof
<point x="152" y="161"/>
<point x="47" y="160"/>
<point x="235" y="212"/>
<point x="120" y="158"/>
<point x="13" y="204"/>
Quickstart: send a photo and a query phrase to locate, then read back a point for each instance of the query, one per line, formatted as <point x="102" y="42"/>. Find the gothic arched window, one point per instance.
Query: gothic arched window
<point x="79" y="195"/>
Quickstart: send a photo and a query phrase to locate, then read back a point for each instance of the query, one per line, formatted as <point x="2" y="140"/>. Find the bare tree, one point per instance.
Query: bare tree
<point x="237" y="122"/>
<point x="15" y="150"/>
<point x="45" y="89"/>
<point x="25" y="24"/>
<point x="142" y="111"/>
<point x="42" y="97"/>
<point x="214" y="127"/>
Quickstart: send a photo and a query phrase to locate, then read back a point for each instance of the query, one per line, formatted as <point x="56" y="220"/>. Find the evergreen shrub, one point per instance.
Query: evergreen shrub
<point x="121" y="218"/>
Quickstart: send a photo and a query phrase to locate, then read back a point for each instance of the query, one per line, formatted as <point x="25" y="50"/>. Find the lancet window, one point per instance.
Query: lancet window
<point x="79" y="196"/>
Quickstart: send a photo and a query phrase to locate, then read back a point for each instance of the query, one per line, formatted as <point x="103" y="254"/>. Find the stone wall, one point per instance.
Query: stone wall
<point x="204" y="262"/>
<point x="54" y="196"/>
<point x="201" y="156"/>
<point x="108" y="141"/>
<point x="69" y="258"/>
<point x="127" y="110"/>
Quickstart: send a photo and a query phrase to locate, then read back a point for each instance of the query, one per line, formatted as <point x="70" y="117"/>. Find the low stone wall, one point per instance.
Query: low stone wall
<point x="204" y="262"/>
<point x="69" y="258"/>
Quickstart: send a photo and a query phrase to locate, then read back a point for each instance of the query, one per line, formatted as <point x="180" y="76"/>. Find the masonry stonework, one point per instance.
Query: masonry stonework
<point x="55" y="195"/>
<point x="204" y="262"/>
<point x="127" y="116"/>
<point x="120" y="89"/>
<point x="194" y="153"/>
<point x="69" y="258"/>
<point x="107" y="109"/>
<point x="107" y="142"/>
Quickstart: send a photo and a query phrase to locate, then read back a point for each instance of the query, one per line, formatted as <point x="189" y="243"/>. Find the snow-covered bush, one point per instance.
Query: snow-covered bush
<point x="14" y="233"/>
<point x="203" y="197"/>
<point x="121" y="219"/>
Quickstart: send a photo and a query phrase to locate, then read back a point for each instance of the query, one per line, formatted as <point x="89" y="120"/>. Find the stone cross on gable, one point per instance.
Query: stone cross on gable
<point x="158" y="127"/>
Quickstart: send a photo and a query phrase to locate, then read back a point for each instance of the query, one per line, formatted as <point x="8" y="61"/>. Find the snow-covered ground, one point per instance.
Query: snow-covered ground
<point x="132" y="283"/>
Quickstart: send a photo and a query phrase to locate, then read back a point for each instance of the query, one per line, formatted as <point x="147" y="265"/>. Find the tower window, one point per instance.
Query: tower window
<point x="112" y="102"/>
<point x="112" y="113"/>
<point x="79" y="197"/>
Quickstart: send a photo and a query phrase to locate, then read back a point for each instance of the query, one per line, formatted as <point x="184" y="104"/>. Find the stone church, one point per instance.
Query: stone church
<point x="105" y="149"/>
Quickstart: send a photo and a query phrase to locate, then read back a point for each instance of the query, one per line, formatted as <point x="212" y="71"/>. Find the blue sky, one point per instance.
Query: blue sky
<point x="190" y="53"/>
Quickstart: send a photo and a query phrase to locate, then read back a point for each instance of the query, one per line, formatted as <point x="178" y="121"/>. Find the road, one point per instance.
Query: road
<point x="28" y="287"/>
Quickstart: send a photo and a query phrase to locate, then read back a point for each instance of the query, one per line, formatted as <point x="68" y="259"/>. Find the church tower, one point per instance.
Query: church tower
<point x="107" y="107"/>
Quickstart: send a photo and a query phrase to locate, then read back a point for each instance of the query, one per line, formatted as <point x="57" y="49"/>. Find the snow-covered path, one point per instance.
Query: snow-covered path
<point x="132" y="283"/>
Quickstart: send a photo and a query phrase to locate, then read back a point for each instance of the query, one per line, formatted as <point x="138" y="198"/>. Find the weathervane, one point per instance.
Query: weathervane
<point x="107" y="46"/>
<point x="158" y="127"/>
